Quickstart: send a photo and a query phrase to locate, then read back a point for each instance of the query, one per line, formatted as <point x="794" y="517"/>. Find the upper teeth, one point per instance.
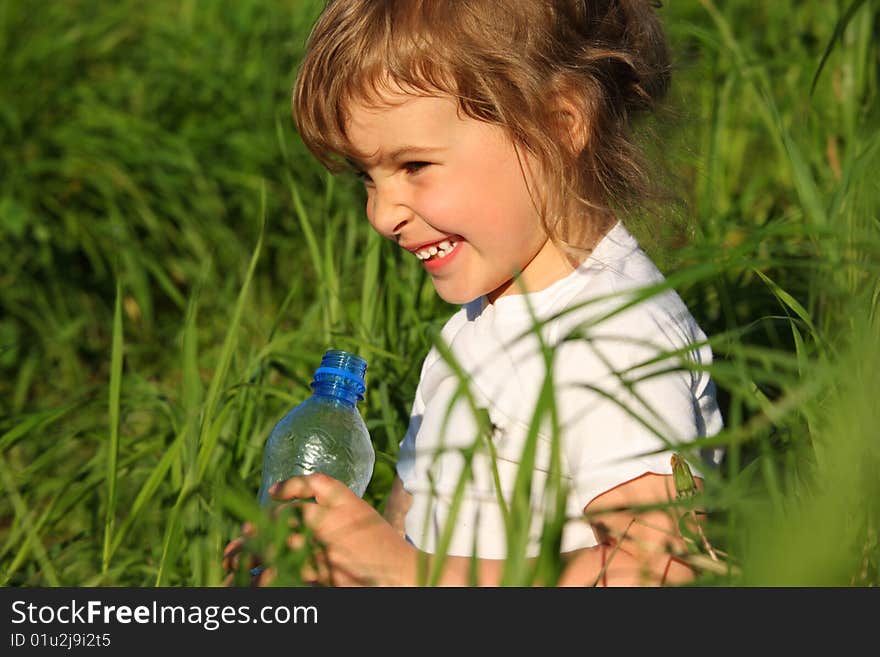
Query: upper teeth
<point x="442" y="249"/>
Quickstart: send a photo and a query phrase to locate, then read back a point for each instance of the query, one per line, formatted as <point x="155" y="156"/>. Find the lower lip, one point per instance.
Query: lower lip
<point x="438" y="264"/>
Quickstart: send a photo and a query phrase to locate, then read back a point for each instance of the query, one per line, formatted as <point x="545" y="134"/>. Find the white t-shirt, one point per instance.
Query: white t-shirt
<point x="616" y="387"/>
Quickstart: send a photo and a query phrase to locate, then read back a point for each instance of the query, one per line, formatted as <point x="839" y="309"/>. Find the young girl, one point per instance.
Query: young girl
<point x="493" y="139"/>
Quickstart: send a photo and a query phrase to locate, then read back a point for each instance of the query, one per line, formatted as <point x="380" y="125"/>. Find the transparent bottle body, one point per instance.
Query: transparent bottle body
<point x="323" y="434"/>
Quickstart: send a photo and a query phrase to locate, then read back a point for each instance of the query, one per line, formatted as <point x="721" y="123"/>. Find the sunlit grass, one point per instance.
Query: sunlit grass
<point x="175" y="262"/>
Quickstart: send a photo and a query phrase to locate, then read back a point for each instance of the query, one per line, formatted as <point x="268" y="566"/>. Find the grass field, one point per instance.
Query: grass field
<point x="175" y="262"/>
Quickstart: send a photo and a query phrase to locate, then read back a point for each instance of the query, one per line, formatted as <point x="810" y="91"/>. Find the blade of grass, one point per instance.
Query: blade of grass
<point x="370" y="287"/>
<point x="113" y="446"/>
<point x="24" y="381"/>
<point x="839" y="29"/>
<point x="193" y="391"/>
<point x="790" y="302"/>
<point x="25" y="545"/>
<point x="210" y="425"/>
<point x="33" y="423"/>
<point x="330" y="282"/>
<point x="21" y="514"/>
<point x="148" y="490"/>
<point x="314" y="249"/>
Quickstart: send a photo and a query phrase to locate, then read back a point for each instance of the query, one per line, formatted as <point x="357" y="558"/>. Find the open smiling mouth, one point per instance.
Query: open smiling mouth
<point x="438" y="251"/>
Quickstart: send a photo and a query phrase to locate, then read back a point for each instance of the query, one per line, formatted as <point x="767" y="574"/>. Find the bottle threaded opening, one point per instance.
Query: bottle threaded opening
<point x="342" y="370"/>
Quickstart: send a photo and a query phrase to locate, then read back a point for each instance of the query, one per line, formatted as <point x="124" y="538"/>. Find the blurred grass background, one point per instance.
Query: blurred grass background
<point x="175" y="262"/>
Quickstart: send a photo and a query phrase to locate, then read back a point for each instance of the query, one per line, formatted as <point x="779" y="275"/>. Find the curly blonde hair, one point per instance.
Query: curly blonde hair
<point x="564" y="78"/>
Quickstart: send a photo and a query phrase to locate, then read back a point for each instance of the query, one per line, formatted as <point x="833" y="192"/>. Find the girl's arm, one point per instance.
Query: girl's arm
<point x="635" y="548"/>
<point x="399" y="502"/>
<point x="362" y="547"/>
<point x="457" y="571"/>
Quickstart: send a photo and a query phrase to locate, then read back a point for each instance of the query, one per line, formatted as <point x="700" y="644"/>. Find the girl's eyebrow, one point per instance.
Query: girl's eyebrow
<point x="396" y="155"/>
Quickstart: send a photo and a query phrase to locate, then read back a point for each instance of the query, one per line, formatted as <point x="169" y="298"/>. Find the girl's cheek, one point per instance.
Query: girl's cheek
<point x="443" y="202"/>
<point x="370" y="207"/>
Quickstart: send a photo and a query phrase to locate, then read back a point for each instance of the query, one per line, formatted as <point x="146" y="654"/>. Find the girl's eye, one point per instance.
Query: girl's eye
<point x="415" y="167"/>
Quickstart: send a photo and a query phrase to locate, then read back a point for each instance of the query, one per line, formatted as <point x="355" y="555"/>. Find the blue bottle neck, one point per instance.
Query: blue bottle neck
<point x="335" y="391"/>
<point x="340" y="377"/>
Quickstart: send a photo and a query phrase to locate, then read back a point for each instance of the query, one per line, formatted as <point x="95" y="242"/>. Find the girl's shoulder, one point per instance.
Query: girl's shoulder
<point x="622" y="292"/>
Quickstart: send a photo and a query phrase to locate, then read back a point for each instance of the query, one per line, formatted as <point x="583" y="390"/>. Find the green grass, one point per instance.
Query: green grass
<point x="175" y="262"/>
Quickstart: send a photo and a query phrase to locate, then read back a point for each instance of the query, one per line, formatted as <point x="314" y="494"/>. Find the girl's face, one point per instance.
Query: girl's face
<point x="433" y="176"/>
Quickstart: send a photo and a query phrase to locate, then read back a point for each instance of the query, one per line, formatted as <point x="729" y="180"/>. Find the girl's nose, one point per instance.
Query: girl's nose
<point x="387" y="212"/>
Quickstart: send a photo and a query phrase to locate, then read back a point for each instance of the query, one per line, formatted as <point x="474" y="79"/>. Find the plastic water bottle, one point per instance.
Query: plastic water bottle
<point x="326" y="432"/>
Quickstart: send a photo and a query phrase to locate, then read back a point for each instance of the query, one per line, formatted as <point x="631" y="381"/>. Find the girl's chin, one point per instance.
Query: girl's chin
<point x="453" y="296"/>
<point x="454" y="300"/>
<point x="460" y="295"/>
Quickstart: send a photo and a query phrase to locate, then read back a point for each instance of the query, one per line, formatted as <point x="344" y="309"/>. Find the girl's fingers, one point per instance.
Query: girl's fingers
<point x="290" y="489"/>
<point x="233" y="546"/>
<point x="315" y="568"/>
<point x="230" y="563"/>
<point x="325" y="490"/>
<point x="312" y="574"/>
<point x="233" y="549"/>
<point x="280" y="508"/>
<point x="230" y="553"/>
<point x="296" y="542"/>
<point x="264" y="577"/>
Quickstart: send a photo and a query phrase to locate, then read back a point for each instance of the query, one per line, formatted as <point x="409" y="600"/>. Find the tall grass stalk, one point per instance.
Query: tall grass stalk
<point x="156" y="205"/>
<point x="113" y="445"/>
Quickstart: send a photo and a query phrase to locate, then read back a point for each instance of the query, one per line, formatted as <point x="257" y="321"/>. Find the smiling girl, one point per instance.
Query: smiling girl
<point x="494" y="142"/>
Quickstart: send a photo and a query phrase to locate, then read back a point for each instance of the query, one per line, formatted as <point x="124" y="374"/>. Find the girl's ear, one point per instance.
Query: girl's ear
<point x="570" y="120"/>
<point x="569" y="112"/>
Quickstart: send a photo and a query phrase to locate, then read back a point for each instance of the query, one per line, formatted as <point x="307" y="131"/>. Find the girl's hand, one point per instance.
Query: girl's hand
<point x="232" y="556"/>
<point x="358" y="547"/>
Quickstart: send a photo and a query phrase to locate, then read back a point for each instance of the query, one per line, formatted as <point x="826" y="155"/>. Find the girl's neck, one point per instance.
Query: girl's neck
<point x="552" y="263"/>
<point x="548" y="266"/>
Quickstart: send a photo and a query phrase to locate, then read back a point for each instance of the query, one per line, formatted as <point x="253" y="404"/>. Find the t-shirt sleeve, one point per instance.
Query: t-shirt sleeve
<point x="406" y="448"/>
<point x="625" y="400"/>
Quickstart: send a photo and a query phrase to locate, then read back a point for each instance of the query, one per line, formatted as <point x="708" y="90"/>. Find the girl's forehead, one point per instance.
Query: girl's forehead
<point x="394" y="106"/>
<point x="399" y="114"/>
